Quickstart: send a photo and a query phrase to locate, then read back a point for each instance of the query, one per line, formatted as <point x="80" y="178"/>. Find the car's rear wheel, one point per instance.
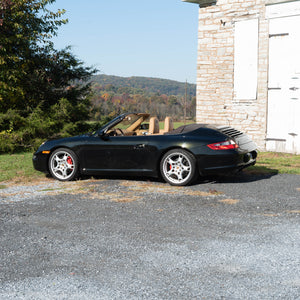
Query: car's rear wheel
<point x="63" y="164"/>
<point x="178" y="167"/>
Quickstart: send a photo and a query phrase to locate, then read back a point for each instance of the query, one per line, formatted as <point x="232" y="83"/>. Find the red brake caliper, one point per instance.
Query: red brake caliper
<point x="69" y="160"/>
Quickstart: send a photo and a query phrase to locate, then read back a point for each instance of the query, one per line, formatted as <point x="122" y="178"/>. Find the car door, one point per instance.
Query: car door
<point x="115" y="154"/>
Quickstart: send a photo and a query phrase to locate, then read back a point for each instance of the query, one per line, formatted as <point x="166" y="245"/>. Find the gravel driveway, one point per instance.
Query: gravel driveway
<point x="222" y="238"/>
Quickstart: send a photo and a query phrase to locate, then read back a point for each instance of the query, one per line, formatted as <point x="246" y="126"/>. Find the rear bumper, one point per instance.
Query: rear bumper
<point x="232" y="162"/>
<point x="225" y="169"/>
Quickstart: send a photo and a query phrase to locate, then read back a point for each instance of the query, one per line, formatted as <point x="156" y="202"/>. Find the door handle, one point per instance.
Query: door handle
<point x="274" y="88"/>
<point x="294" y="88"/>
<point x="139" y="146"/>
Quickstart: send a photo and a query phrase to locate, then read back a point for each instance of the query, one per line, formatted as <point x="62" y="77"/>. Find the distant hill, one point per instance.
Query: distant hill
<point x="146" y="84"/>
<point x="160" y="97"/>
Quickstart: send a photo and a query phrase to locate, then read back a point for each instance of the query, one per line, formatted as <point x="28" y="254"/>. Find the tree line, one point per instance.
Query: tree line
<point x="140" y="84"/>
<point x="160" y="97"/>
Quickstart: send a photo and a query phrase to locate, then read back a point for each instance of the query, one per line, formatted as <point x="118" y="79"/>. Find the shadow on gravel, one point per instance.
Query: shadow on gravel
<point x="248" y="175"/>
<point x="130" y="178"/>
<point x="240" y="177"/>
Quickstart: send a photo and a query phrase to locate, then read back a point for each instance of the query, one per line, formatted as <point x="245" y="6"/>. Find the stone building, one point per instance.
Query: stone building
<point x="248" y="69"/>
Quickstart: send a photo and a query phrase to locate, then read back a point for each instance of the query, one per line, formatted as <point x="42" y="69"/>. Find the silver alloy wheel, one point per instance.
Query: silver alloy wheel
<point x="177" y="168"/>
<point x="62" y="165"/>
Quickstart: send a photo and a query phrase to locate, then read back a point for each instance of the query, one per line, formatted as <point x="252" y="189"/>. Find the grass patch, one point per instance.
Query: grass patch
<point x="176" y="124"/>
<point x="50" y="190"/>
<point x="271" y="162"/>
<point x="17" y="167"/>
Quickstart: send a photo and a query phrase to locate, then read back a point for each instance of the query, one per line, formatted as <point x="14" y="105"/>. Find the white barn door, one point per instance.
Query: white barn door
<point x="283" y="123"/>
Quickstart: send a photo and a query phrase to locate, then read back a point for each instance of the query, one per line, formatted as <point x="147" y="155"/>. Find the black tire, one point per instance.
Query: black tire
<point x="178" y="167"/>
<point x="63" y="164"/>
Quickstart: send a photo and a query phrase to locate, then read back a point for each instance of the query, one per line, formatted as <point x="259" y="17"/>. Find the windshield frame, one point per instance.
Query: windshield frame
<point x="113" y="123"/>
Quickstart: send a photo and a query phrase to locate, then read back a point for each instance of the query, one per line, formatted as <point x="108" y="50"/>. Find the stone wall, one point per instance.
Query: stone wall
<point x="215" y="68"/>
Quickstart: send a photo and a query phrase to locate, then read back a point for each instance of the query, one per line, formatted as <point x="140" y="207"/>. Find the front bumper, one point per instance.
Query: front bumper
<point x="40" y="162"/>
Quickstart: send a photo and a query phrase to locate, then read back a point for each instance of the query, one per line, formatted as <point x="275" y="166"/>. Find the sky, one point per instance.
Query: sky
<point x="156" y="38"/>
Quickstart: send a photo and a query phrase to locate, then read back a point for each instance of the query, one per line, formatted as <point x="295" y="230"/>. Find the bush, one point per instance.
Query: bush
<point x="18" y="133"/>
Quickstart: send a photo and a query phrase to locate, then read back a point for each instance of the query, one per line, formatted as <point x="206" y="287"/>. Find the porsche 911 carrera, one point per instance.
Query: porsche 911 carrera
<point x="133" y="144"/>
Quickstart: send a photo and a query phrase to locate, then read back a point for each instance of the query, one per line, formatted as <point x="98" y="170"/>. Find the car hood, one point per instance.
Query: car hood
<point x="49" y="144"/>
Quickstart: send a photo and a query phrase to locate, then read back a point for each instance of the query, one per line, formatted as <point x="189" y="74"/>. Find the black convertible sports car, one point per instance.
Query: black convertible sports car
<point x="133" y="144"/>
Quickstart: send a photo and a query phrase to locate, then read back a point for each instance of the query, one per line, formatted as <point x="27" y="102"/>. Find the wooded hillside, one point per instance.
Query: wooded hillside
<point x="148" y="84"/>
<point x="113" y="95"/>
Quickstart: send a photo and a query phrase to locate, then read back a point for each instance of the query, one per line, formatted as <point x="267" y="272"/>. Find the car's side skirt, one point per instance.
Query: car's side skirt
<point x="133" y="172"/>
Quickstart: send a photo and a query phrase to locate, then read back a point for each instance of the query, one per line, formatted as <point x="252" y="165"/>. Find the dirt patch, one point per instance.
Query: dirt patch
<point x="199" y="194"/>
<point x="167" y="189"/>
<point x="126" y="199"/>
<point x="293" y="211"/>
<point x="229" y="201"/>
<point x="270" y="215"/>
<point x="119" y="191"/>
<point x="23" y="180"/>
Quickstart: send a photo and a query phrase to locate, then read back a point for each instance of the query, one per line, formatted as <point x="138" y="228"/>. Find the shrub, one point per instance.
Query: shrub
<point x="18" y="133"/>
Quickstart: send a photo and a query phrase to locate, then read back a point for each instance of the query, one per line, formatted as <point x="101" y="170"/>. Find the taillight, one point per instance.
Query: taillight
<point x="227" y="145"/>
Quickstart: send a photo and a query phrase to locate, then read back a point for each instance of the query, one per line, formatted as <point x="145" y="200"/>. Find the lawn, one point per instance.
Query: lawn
<point x="18" y="167"/>
<point x="271" y="162"/>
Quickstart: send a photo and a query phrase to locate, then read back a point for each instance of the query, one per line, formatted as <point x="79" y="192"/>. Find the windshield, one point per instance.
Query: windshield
<point x="129" y="124"/>
<point x="128" y="121"/>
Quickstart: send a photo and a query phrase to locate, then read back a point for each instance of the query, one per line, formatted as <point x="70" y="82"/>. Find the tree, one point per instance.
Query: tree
<point x="31" y="70"/>
<point x="34" y="76"/>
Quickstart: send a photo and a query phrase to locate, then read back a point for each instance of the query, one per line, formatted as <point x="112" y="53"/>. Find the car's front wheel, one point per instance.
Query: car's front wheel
<point x="63" y="164"/>
<point x="178" y="167"/>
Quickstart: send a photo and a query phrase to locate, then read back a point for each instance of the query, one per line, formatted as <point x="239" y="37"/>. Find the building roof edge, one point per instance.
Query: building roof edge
<point x="202" y="3"/>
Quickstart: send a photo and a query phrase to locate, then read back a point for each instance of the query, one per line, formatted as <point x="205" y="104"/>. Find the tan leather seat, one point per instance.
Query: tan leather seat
<point x="153" y="125"/>
<point x="168" y="125"/>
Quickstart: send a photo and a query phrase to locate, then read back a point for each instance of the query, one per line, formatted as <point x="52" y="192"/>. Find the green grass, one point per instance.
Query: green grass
<point x="19" y="168"/>
<point x="176" y="124"/>
<point x="271" y="162"/>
